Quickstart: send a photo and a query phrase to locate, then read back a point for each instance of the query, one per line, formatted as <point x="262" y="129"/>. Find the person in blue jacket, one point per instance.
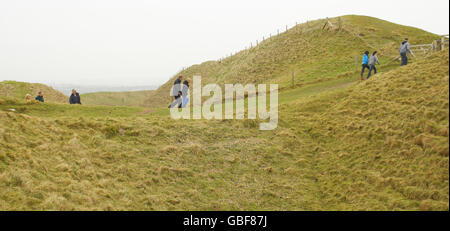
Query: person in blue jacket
<point x="365" y="64"/>
<point x="185" y="93"/>
<point x="40" y="97"/>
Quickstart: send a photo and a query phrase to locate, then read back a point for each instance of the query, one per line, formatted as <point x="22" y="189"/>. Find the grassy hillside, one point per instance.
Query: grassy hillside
<point x="316" y="53"/>
<point x="18" y="90"/>
<point x="132" y="98"/>
<point x="340" y="145"/>
<point x="384" y="143"/>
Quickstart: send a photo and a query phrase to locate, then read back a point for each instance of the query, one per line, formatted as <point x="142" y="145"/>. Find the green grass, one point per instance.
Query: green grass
<point x="341" y="144"/>
<point x="315" y="54"/>
<point x="52" y="110"/>
<point x="134" y="98"/>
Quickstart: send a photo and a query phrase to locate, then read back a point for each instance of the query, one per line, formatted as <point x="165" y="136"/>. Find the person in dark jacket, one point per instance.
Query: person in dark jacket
<point x="40" y="97"/>
<point x="75" y="97"/>
<point x="176" y="92"/>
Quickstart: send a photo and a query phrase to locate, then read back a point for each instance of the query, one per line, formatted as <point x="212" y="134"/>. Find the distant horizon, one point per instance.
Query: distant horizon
<point x="66" y="89"/>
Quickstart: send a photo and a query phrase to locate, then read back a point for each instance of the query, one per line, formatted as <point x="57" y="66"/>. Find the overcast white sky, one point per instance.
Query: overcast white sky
<point x="136" y="42"/>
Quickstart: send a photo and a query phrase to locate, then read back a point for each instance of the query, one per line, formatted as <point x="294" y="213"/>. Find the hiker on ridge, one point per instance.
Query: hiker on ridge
<point x="40" y="97"/>
<point x="176" y="92"/>
<point x="405" y="48"/>
<point x="365" y="63"/>
<point x="185" y="93"/>
<point x="372" y="62"/>
<point x="75" y="97"/>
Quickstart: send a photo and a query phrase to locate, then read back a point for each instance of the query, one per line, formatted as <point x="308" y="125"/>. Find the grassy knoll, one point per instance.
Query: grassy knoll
<point x="18" y="91"/>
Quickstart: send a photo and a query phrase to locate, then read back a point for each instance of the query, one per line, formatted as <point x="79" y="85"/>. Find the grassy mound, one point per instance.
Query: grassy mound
<point x="314" y="50"/>
<point x="376" y="145"/>
<point x="17" y="91"/>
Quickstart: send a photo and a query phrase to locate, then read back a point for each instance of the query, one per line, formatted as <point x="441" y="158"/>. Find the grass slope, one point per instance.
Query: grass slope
<point x="18" y="90"/>
<point x="384" y="143"/>
<point x="343" y="145"/>
<point x="132" y="98"/>
<point x="316" y="53"/>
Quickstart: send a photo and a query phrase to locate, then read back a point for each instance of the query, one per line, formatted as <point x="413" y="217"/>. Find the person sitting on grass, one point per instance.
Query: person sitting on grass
<point x="28" y="97"/>
<point x="365" y="63"/>
<point x="372" y="62"/>
<point x="74" y="97"/>
<point x="40" y="97"/>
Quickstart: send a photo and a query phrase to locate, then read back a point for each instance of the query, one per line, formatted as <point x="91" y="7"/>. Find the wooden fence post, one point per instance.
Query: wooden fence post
<point x="340" y="23"/>
<point x="293" y="75"/>
<point x="435" y="46"/>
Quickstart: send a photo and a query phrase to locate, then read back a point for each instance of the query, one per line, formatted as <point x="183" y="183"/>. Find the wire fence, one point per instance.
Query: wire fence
<point x="322" y="24"/>
<point x="263" y="39"/>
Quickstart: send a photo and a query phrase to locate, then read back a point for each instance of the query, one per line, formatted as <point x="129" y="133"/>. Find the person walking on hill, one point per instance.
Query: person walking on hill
<point x="176" y="92"/>
<point x="185" y="93"/>
<point x="75" y="97"/>
<point x="40" y="97"/>
<point x="365" y="63"/>
<point x="373" y="60"/>
<point x="405" y="49"/>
